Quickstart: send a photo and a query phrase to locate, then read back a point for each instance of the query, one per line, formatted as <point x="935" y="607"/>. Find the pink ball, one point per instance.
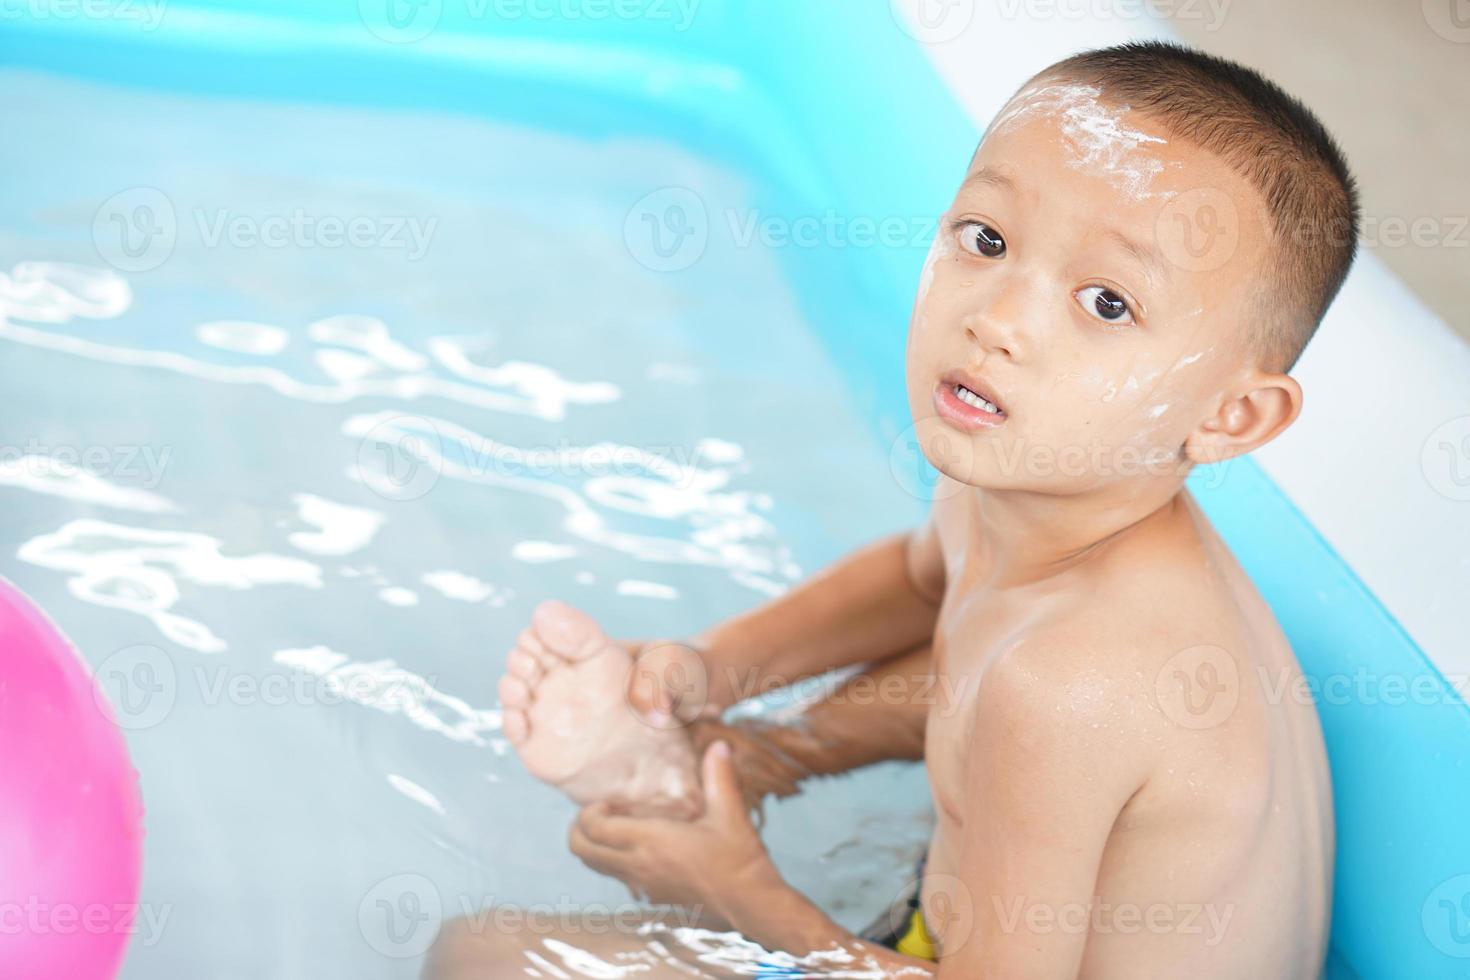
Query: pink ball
<point x="71" y="819"/>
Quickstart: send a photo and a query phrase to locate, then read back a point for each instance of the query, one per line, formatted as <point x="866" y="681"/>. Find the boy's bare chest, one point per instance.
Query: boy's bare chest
<point x="975" y="628"/>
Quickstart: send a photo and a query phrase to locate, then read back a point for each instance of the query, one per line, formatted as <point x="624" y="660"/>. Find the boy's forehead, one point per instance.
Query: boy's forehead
<point x="1073" y="125"/>
<point x="1068" y="144"/>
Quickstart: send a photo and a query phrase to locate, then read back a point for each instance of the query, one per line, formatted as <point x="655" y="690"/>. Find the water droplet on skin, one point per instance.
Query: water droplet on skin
<point x="1190" y="359"/>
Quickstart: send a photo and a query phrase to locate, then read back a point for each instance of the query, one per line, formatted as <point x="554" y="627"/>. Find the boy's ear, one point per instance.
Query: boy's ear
<point x="1255" y="411"/>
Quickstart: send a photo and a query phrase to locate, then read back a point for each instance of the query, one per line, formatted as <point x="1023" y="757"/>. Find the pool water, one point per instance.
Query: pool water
<point x="308" y="408"/>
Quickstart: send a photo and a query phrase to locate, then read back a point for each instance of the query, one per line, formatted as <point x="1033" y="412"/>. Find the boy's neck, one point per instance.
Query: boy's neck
<point x="1022" y="536"/>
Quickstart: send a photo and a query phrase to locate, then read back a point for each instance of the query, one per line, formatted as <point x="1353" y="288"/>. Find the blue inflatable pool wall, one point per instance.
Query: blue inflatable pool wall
<point x="828" y="109"/>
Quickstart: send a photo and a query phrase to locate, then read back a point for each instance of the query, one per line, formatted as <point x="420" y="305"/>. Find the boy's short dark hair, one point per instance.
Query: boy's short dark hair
<point x="1272" y="140"/>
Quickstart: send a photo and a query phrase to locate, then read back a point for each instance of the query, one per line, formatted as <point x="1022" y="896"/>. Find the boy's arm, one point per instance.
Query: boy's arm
<point x="874" y="715"/>
<point x="1042" y="790"/>
<point x="875" y="603"/>
<point x="1060" y="745"/>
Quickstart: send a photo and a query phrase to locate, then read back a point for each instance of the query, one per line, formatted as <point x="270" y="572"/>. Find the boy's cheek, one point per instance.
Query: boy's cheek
<point x="924" y="324"/>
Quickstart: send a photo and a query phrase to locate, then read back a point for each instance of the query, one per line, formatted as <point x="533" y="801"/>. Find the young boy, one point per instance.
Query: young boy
<point x="1144" y="242"/>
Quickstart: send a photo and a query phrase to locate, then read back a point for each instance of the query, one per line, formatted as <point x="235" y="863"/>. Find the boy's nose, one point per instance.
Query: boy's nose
<point x="999" y="324"/>
<point x="990" y="338"/>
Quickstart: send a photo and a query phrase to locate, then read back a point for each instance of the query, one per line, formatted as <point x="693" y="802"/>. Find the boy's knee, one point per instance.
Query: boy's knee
<point x="466" y="949"/>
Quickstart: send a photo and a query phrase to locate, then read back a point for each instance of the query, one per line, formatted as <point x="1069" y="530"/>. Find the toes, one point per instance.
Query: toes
<point x="524" y="665"/>
<point x="528" y="641"/>
<point x="514" y="692"/>
<point x="566" y="631"/>
<point x="514" y="724"/>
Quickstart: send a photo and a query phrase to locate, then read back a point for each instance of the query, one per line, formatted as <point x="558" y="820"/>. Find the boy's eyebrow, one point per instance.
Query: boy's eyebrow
<point x="989" y="175"/>
<point x="1147" y="255"/>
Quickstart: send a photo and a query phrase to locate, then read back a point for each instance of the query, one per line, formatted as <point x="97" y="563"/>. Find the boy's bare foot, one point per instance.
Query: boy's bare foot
<point x="565" y="694"/>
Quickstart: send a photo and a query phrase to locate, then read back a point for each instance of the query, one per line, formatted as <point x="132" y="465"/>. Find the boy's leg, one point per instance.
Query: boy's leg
<point x="876" y="715"/>
<point x="566" y="695"/>
<point x="511" y="942"/>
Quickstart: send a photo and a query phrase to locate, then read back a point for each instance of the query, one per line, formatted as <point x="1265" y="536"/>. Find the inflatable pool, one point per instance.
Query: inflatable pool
<point x="843" y="124"/>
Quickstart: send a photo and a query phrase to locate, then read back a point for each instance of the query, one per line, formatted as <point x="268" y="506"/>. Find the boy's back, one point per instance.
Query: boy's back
<point x="1129" y="783"/>
<point x="1147" y="675"/>
<point x="1128" y="779"/>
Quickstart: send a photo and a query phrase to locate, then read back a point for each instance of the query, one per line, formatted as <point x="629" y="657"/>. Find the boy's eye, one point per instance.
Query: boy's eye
<point x="982" y="239"/>
<point x="1106" y="305"/>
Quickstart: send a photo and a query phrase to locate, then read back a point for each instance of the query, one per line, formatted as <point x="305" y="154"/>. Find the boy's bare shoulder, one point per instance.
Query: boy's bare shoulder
<point x="1082" y="665"/>
<point x="1139" y="651"/>
<point x="1109" y="642"/>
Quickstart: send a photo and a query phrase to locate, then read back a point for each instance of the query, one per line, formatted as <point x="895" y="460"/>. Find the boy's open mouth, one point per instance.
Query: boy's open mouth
<point x="966" y="403"/>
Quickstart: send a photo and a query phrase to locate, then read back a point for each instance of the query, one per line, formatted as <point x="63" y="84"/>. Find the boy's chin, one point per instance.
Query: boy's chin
<point x="999" y="466"/>
<point x="967" y="459"/>
<point x="996" y="480"/>
<point x="978" y="472"/>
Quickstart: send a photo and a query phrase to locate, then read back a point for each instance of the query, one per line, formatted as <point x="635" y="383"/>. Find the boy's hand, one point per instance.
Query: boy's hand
<point x="764" y="767"/>
<point x="670" y="683"/>
<point x="706" y="863"/>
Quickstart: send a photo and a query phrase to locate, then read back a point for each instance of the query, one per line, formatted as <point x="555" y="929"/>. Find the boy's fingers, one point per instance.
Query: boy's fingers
<point x="528" y="641"/>
<point x="721" y="784"/>
<point x="523" y="664"/>
<point x="513" y="691"/>
<point x="606" y="829"/>
<point x="669" y="682"/>
<point x="514" y="724"/>
<point x="646" y="694"/>
<point x="599" y="857"/>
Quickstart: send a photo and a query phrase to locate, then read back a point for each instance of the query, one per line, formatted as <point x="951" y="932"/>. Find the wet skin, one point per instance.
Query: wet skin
<point x="1122" y="787"/>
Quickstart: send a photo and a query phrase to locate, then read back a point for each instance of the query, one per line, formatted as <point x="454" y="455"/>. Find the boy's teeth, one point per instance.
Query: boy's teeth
<point x="970" y="398"/>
